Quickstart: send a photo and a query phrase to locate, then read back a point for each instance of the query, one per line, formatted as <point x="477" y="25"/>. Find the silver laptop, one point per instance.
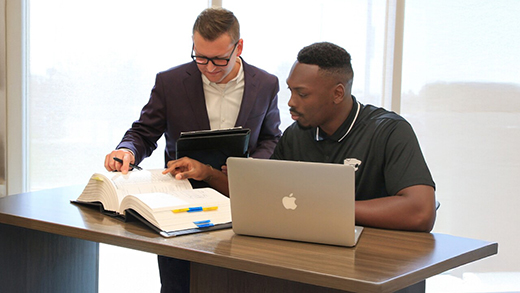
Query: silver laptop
<point x="311" y="202"/>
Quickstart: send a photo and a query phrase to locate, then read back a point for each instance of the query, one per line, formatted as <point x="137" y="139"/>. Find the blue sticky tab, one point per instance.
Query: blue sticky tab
<point x="195" y="209"/>
<point x="202" y="222"/>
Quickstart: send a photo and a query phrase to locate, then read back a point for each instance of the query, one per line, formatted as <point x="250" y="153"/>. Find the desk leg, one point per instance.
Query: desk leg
<point x="206" y="278"/>
<point x="35" y="261"/>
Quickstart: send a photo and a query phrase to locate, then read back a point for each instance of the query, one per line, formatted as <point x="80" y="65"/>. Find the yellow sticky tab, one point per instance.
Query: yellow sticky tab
<point x="180" y="210"/>
<point x="210" y="209"/>
<point x="97" y="178"/>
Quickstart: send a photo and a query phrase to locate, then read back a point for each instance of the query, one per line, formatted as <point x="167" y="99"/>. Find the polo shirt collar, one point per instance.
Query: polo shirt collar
<point x="345" y="128"/>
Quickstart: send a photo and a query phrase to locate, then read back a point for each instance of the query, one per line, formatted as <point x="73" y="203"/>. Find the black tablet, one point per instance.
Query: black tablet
<point x="213" y="147"/>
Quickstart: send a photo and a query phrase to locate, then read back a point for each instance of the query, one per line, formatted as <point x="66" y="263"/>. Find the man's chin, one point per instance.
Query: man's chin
<point x="303" y="127"/>
<point x="216" y="78"/>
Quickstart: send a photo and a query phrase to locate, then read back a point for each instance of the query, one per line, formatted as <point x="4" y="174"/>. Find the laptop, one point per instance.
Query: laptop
<point x="301" y="201"/>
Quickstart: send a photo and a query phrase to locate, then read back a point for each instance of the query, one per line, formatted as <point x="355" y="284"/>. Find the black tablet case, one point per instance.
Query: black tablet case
<point x="213" y="147"/>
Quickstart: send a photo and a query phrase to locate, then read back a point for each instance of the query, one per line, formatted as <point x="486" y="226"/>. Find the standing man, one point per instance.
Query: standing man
<point x="216" y="90"/>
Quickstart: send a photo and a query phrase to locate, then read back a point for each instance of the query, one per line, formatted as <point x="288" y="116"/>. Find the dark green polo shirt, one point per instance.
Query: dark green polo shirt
<point x="381" y="144"/>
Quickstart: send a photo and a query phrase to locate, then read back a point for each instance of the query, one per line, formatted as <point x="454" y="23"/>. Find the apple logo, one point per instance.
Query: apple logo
<point x="289" y="202"/>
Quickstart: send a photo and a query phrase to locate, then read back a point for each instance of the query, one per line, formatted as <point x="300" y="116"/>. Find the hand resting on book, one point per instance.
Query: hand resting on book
<point x="123" y="154"/>
<point x="187" y="168"/>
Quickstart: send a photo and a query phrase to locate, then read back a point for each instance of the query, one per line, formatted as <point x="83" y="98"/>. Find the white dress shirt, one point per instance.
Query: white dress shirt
<point x="223" y="100"/>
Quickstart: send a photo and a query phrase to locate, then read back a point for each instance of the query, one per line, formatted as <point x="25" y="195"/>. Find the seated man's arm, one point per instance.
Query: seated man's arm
<point x="186" y="168"/>
<point x="413" y="208"/>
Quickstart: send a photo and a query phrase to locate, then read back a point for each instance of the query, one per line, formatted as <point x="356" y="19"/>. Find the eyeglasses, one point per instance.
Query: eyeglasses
<point x="201" y="60"/>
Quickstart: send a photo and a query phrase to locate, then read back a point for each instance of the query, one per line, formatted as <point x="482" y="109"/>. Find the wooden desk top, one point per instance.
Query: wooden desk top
<point x="382" y="261"/>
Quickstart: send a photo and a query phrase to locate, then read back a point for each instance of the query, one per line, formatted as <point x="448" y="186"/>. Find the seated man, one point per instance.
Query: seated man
<point x="394" y="187"/>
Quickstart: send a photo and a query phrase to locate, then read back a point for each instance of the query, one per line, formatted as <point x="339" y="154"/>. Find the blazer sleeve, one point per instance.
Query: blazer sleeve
<point x="259" y="111"/>
<point x="142" y="137"/>
<point x="270" y="130"/>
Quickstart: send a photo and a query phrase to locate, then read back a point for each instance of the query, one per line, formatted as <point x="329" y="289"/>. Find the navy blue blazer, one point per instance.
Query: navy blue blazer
<point x="177" y="104"/>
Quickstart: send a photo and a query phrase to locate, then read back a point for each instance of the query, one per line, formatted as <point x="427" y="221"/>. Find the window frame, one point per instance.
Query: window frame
<point x="15" y="165"/>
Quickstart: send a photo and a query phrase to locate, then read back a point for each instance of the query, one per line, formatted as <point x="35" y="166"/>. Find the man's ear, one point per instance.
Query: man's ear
<point x="240" y="47"/>
<point x="339" y="93"/>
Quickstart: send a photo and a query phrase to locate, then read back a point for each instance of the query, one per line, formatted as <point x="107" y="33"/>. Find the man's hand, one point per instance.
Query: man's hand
<point x="112" y="165"/>
<point x="186" y="168"/>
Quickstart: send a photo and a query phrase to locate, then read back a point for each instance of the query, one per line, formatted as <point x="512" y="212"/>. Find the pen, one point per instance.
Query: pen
<point x="131" y="165"/>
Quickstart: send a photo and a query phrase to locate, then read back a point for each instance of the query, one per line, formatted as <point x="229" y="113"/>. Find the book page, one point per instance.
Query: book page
<point x="154" y="201"/>
<point x="180" y="199"/>
<point x="147" y="181"/>
<point x="174" y="212"/>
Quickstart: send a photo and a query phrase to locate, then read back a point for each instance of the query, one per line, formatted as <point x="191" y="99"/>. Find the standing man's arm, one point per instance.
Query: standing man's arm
<point x="259" y="111"/>
<point x="141" y="139"/>
<point x="269" y="132"/>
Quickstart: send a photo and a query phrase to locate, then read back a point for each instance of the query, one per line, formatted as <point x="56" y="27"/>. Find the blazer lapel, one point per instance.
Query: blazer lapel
<point x="250" y="93"/>
<point x="195" y="94"/>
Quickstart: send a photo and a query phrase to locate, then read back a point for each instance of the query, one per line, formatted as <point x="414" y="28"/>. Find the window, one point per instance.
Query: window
<point x="461" y="92"/>
<point x="274" y="32"/>
<point x="91" y="66"/>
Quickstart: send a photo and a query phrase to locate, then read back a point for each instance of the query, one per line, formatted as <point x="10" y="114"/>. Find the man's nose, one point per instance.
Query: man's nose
<point x="211" y="67"/>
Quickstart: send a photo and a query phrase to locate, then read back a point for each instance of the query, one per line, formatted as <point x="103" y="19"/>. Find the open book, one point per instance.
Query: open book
<point x="169" y="206"/>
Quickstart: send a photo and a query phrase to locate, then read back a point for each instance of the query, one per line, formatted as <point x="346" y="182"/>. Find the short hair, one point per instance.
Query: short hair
<point x="330" y="58"/>
<point x="213" y="22"/>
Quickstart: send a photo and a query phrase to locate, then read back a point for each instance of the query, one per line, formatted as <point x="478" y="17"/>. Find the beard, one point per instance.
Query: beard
<point x="300" y="125"/>
<point x="303" y="127"/>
